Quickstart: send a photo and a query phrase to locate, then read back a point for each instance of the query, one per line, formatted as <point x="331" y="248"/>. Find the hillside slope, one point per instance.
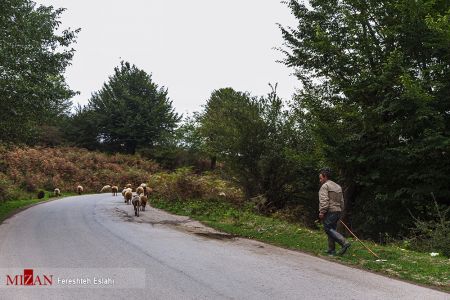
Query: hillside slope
<point x="29" y="169"/>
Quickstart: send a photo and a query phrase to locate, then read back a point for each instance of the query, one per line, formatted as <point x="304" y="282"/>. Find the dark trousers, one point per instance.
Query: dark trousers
<point x="330" y="224"/>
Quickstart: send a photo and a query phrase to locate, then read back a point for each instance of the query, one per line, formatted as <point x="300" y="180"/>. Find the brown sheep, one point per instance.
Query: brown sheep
<point x="148" y="191"/>
<point x="144" y="201"/>
<point x="128" y="196"/>
<point x="79" y="190"/>
<point x="136" y="204"/>
<point x="114" y="190"/>
<point x="128" y="186"/>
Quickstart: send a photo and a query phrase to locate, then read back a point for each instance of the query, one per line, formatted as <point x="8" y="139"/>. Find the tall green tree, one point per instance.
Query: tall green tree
<point x="33" y="58"/>
<point x="181" y="148"/>
<point x="81" y="129"/>
<point x="232" y="129"/>
<point x="376" y="91"/>
<point x="263" y="147"/>
<point x="287" y="165"/>
<point x="131" y="111"/>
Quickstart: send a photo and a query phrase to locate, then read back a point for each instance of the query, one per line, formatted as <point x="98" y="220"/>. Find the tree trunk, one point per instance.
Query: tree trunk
<point x="131" y="147"/>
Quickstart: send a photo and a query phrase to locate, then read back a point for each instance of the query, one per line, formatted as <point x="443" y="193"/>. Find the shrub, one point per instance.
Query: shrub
<point x="294" y="214"/>
<point x="28" y="184"/>
<point x="185" y="184"/>
<point x="433" y="235"/>
<point x="6" y="192"/>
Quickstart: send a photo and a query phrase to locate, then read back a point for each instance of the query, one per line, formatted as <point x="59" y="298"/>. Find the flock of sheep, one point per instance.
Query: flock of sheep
<point x="139" y="200"/>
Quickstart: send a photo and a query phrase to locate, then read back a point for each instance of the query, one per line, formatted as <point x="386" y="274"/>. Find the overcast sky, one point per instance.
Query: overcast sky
<point x="191" y="47"/>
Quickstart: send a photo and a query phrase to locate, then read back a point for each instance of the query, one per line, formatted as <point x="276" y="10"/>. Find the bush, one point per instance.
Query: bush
<point x="185" y="184"/>
<point x="28" y="184"/>
<point x="433" y="235"/>
<point x="294" y="214"/>
<point x="5" y="188"/>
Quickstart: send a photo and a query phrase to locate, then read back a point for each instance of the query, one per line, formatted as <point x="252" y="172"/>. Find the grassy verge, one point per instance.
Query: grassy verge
<point x="400" y="263"/>
<point x="10" y="207"/>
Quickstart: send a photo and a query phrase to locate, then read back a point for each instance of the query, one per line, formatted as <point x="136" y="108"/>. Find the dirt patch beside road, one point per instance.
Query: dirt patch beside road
<point x="154" y="217"/>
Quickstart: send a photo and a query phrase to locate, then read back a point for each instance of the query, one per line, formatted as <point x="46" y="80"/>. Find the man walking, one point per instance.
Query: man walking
<point x="331" y="203"/>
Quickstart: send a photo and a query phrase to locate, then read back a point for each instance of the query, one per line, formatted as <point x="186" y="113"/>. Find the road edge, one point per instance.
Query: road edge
<point x="20" y="209"/>
<point x="328" y="259"/>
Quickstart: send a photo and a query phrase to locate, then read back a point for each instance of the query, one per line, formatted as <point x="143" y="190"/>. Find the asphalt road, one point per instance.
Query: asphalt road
<point x="161" y="256"/>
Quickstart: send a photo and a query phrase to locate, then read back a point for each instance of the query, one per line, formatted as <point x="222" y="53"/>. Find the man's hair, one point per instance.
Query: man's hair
<point x="326" y="172"/>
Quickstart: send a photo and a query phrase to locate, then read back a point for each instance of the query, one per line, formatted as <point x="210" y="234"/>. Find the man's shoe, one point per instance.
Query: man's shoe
<point x="344" y="249"/>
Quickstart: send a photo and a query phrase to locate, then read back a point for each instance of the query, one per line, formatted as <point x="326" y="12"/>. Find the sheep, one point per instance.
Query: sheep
<point x="41" y="194"/>
<point x="136" y="204"/>
<point x="144" y="185"/>
<point x="148" y="191"/>
<point x="128" y="185"/>
<point x="105" y="189"/>
<point x="128" y="196"/>
<point x="140" y="190"/>
<point x="124" y="191"/>
<point x="114" y="190"/>
<point x="144" y="201"/>
<point x="57" y="192"/>
<point x="79" y="190"/>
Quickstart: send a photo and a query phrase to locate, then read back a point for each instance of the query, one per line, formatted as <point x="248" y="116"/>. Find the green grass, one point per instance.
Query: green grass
<point x="401" y="263"/>
<point x="9" y="207"/>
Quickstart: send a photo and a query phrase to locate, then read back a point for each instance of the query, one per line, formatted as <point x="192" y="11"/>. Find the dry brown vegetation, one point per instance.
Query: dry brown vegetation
<point x="29" y="169"/>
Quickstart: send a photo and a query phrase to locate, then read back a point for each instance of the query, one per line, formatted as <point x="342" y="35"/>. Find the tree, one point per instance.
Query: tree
<point x="131" y="111"/>
<point x="262" y="147"/>
<point x="33" y="58"/>
<point x="81" y="128"/>
<point x="289" y="164"/>
<point x="233" y="131"/>
<point x="376" y="89"/>
<point x="181" y="148"/>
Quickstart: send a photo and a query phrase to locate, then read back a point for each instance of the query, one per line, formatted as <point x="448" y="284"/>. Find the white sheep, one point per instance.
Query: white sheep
<point x="79" y="190"/>
<point x="106" y="188"/>
<point x="140" y="190"/>
<point x="57" y="192"/>
<point x="144" y="185"/>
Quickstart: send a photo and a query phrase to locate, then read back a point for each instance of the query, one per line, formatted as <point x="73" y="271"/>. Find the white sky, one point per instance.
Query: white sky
<point x="191" y="47"/>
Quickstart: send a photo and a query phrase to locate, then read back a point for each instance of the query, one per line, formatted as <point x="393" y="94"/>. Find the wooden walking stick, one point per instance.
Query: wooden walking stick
<point x="359" y="240"/>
